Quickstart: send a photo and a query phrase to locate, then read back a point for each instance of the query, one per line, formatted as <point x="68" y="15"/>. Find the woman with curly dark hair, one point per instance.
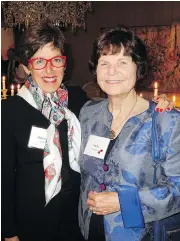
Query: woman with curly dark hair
<point x="41" y="140"/>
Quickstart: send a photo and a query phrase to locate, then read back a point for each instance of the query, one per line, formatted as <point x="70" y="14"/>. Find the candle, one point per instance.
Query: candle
<point x="155" y="89"/>
<point x="12" y="90"/>
<point x="174" y="99"/>
<point x="18" y="88"/>
<point x="3" y="82"/>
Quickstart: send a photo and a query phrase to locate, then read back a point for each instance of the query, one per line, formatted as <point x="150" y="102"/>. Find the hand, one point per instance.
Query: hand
<point x="103" y="203"/>
<point x="163" y="103"/>
<point x="15" y="238"/>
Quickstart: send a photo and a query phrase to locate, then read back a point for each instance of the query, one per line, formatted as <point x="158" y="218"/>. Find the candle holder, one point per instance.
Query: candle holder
<point x="4" y="94"/>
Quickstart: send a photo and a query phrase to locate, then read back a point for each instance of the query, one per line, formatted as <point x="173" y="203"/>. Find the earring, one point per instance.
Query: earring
<point x="62" y="86"/>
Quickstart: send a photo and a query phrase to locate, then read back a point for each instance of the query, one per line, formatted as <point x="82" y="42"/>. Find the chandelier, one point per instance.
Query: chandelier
<point x="22" y="14"/>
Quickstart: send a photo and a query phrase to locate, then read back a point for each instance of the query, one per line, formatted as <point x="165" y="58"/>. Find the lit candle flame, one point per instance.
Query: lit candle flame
<point x="141" y="95"/>
<point x="3" y="78"/>
<point x="155" y="85"/>
<point x="12" y="87"/>
<point x="174" y="98"/>
<point x="18" y="86"/>
<point x="155" y="89"/>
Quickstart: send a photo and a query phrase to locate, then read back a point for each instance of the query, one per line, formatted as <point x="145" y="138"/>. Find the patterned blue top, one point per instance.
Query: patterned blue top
<point x="130" y="165"/>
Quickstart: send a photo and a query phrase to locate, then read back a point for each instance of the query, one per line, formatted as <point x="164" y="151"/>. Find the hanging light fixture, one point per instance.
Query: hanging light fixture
<point x="60" y="13"/>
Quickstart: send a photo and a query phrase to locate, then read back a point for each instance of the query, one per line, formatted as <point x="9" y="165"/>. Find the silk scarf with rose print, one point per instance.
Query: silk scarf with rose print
<point x="54" y="107"/>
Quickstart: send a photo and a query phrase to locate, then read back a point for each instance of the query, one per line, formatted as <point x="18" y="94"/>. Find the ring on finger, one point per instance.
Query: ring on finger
<point x="90" y="208"/>
<point x="94" y="210"/>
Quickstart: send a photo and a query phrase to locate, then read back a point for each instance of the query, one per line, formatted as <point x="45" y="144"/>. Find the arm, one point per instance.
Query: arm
<point x="8" y="176"/>
<point x="162" y="199"/>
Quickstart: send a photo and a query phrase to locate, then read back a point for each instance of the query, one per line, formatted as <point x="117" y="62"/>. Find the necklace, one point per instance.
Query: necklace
<point x="113" y="132"/>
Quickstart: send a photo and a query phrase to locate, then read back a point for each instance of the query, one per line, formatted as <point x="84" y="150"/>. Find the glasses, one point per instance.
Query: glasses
<point x="41" y="63"/>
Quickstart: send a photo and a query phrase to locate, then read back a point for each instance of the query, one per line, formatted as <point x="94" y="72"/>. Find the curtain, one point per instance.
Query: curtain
<point x="163" y="45"/>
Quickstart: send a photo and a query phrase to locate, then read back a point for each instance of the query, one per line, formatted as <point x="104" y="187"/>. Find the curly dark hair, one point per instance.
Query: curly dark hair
<point x="36" y="37"/>
<point x="112" y="40"/>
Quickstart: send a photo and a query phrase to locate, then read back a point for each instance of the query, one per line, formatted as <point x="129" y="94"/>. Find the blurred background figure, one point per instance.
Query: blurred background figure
<point x="20" y="76"/>
<point x="10" y="66"/>
<point x="93" y="91"/>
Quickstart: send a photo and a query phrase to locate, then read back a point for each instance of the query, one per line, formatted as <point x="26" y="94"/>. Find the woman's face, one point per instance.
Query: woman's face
<point x="116" y="74"/>
<point x="49" y="78"/>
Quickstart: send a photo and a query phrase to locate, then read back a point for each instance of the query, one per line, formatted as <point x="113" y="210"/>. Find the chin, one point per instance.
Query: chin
<point x="116" y="91"/>
<point x="113" y="92"/>
<point x="50" y="89"/>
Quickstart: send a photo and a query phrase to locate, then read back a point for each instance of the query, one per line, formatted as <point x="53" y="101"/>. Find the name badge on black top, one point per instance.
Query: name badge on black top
<point x="37" y="137"/>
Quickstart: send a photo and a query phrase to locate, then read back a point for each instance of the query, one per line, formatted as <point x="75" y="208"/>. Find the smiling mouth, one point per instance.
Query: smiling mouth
<point x="49" y="79"/>
<point x="114" y="81"/>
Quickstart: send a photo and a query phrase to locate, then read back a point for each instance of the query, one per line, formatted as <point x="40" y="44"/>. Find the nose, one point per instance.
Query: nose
<point x="112" y="70"/>
<point x="49" y="68"/>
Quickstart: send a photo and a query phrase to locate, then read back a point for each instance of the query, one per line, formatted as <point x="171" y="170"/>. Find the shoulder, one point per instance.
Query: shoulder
<point x="9" y="108"/>
<point x="76" y="92"/>
<point x="166" y="116"/>
<point x="168" y="124"/>
<point x="13" y="101"/>
<point x="9" y="103"/>
<point x="93" y="107"/>
<point x="169" y="117"/>
<point x="76" y="99"/>
<point x="14" y="106"/>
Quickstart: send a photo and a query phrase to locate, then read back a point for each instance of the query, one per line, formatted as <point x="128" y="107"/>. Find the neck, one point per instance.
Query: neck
<point x="121" y="103"/>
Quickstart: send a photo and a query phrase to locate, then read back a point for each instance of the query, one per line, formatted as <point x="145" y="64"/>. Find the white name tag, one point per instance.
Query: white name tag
<point x="97" y="146"/>
<point x="37" y="138"/>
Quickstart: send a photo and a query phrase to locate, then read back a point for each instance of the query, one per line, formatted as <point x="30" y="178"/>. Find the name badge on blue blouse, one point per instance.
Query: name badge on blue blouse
<point x="96" y="146"/>
<point x="37" y="138"/>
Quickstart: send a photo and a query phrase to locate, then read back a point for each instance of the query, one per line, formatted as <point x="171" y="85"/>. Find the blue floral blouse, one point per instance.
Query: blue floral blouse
<point x="131" y="166"/>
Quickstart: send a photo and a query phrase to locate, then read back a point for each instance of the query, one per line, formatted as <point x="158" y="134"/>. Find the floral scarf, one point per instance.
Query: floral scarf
<point x="54" y="107"/>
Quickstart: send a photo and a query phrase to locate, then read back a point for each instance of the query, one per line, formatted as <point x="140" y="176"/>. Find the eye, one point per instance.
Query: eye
<point x="103" y="64"/>
<point x="122" y="63"/>
<point x="39" y="61"/>
<point x="58" y="60"/>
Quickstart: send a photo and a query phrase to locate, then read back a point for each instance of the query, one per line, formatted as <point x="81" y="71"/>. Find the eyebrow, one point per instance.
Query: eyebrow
<point x="102" y="60"/>
<point x="125" y="57"/>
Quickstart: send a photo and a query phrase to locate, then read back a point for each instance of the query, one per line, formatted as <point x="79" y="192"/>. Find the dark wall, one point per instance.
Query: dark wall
<point x="107" y="14"/>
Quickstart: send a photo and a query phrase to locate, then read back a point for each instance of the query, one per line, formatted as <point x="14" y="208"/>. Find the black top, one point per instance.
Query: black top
<point x="96" y="229"/>
<point x="23" y="199"/>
